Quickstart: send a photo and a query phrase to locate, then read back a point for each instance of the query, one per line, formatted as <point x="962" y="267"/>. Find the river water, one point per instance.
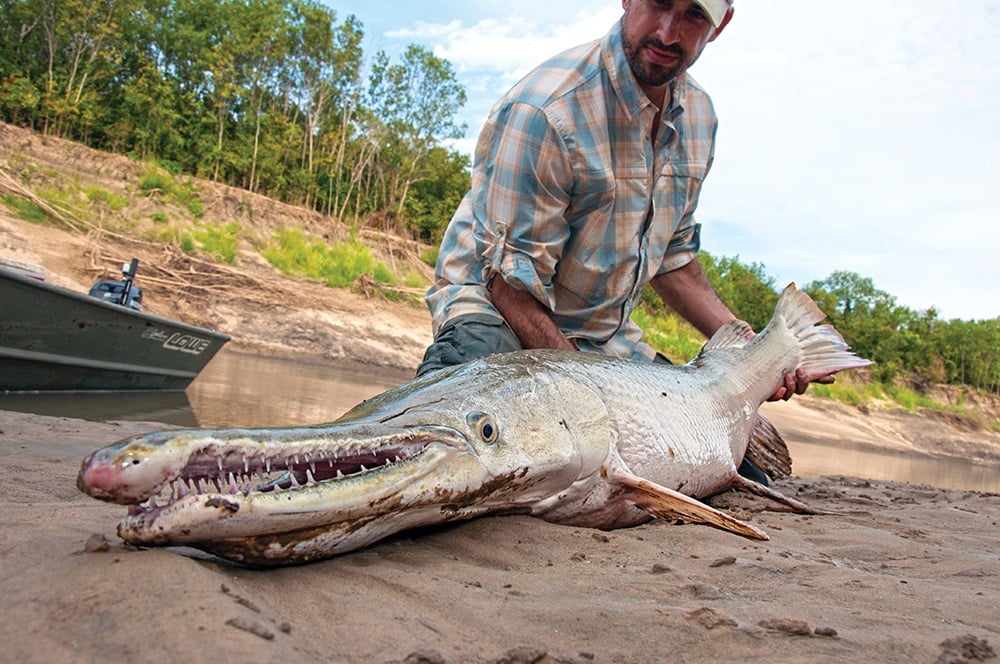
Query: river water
<point x="242" y="390"/>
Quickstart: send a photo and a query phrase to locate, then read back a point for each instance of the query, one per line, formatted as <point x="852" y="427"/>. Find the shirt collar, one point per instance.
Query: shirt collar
<point x="624" y="83"/>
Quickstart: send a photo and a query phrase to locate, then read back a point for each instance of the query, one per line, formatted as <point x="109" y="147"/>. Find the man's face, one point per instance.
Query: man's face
<point x="662" y="38"/>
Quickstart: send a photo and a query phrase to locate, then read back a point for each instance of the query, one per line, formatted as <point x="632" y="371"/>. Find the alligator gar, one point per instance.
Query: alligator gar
<point x="573" y="438"/>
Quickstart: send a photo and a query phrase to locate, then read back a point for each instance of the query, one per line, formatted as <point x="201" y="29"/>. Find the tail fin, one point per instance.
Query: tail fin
<point x="824" y="351"/>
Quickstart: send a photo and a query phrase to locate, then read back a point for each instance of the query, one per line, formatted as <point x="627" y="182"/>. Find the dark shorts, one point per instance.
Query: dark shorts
<point x="467" y="338"/>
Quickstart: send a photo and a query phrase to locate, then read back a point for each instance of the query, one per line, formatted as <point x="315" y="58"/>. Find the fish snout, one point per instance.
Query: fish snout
<point x="118" y="477"/>
<point x="97" y="479"/>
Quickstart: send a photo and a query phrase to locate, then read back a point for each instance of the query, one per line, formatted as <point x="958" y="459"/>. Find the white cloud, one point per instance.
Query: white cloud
<point x="512" y="44"/>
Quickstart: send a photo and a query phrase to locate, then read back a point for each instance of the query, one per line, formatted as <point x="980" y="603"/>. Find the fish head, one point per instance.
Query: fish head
<point x="522" y="417"/>
<point x="492" y="436"/>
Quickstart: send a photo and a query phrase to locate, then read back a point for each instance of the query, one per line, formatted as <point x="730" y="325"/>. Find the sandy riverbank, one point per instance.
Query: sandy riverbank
<point x="901" y="573"/>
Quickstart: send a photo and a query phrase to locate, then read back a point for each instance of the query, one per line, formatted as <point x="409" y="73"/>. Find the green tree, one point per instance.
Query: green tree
<point x="436" y="193"/>
<point x="324" y="75"/>
<point x="970" y="351"/>
<point x="414" y="104"/>
<point x="867" y="317"/>
<point x="747" y="289"/>
<point x="85" y="48"/>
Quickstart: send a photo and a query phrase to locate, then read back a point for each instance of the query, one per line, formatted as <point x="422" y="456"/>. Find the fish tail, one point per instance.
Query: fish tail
<point x="823" y="350"/>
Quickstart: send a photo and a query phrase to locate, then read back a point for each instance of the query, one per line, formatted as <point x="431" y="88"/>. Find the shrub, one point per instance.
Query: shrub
<point x="220" y="241"/>
<point x="337" y="265"/>
<point x="157" y="181"/>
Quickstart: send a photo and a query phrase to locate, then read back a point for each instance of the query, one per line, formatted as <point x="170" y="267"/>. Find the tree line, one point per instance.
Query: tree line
<point x="274" y="96"/>
<point x="903" y="342"/>
<point x="280" y="98"/>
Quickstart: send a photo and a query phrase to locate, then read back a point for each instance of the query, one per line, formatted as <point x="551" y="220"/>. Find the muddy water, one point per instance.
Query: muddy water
<point x="244" y="390"/>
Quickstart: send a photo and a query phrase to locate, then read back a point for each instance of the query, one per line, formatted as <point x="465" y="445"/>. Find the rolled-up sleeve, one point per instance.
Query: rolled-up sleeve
<point x="682" y="249"/>
<point x="522" y="205"/>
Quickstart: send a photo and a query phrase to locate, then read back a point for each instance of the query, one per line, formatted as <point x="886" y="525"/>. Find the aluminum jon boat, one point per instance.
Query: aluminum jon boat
<point x="53" y="339"/>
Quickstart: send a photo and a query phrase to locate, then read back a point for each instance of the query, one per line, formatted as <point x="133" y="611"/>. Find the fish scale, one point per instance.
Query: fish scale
<point x="569" y="437"/>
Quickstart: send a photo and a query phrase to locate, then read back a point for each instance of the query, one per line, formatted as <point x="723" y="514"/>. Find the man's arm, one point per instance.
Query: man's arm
<point x="687" y="291"/>
<point x="527" y="317"/>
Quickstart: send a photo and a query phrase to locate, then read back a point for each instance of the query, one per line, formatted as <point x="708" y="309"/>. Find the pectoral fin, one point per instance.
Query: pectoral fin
<point x="665" y="503"/>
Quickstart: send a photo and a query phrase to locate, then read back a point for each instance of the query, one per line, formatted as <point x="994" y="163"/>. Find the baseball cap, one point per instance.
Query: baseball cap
<point x="716" y="9"/>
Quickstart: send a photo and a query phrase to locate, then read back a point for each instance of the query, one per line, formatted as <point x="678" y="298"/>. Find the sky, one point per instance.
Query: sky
<point x="856" y="135"/>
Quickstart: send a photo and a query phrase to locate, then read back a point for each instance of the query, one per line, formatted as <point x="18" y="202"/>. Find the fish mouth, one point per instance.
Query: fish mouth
<point x="236" y="471"/>
<point x="230" y="484"/>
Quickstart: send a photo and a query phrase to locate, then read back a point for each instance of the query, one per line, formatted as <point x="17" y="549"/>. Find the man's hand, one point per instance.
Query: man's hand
<point x="797" y="383"/>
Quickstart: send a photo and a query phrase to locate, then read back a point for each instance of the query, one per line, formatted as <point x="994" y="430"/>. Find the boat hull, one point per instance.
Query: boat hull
<point x="54" y="339"/>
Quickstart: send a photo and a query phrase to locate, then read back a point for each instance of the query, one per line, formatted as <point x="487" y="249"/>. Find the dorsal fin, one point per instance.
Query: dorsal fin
<point x="734" y="334"/>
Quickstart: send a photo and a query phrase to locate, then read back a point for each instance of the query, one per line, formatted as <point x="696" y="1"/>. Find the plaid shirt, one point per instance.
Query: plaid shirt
<point x="573" y="203"/>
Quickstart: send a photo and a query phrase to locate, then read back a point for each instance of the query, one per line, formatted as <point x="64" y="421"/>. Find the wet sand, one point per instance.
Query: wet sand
<point x="901" y="573"/>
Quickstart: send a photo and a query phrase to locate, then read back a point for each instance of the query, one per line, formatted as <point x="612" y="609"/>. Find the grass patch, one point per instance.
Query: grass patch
<point x="667" y="335"/>
<point x="848" y="394"/>
<point x="856" y="395"/>
<point x="111" y="200"/>
<point x="25" y="209"/>
<point x="29" y="171"/>
<point x="337" y="265"/>
<point x="159" y="182"/>
<point x="910" y="400"/>
<point x="414" y="280"/>
<point x="430" y="257"/>
<point x="220" y="241"/>
<point x="156" y="181"/>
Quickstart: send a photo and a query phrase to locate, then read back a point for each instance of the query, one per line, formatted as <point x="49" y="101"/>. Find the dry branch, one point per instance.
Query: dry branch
<point x="12" y="186"/>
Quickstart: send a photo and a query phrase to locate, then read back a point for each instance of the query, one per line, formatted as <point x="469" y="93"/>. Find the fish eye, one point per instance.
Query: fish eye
<point x="484" y="425"/>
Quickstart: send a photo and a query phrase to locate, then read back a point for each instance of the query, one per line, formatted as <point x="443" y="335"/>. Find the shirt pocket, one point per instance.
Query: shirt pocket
<point x="679" y="185"/>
